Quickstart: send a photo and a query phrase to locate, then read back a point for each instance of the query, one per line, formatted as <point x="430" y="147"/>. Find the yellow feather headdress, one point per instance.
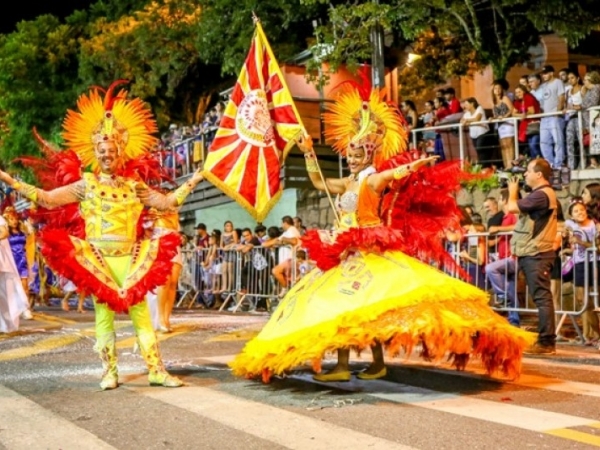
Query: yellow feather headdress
<point x="128" y="123"/>
<point x="361" y="118"/>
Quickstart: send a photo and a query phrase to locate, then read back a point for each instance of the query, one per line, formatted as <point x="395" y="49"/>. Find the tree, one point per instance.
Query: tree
<point x="226" y="29"/>
<point x="38" y="73"/>
<point x="498" y="33"/>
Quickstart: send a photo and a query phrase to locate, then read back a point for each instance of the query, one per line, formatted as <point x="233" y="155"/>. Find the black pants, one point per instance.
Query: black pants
<point x="537" y="270"/>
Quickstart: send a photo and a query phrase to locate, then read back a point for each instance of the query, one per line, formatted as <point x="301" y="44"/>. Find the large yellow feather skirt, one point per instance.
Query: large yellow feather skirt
<point x="391" y="298"/>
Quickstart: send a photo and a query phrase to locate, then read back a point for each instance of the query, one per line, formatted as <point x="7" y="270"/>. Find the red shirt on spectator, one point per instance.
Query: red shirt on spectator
<point x="504" y="239"/>
<point x="442" y="112"/>
<point x="521" y="106"/>
<point x="202" y="241"/>
<point x="454" y="106"/>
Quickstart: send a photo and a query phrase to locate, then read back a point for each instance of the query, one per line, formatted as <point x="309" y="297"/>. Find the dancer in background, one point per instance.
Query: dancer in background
<point x="13" y="301"/>
<point x="17" y="238"/>
<point x="167" y="222"/>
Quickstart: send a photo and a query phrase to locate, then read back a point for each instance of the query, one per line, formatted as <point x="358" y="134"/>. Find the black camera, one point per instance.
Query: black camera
<point x="503" y="178"/>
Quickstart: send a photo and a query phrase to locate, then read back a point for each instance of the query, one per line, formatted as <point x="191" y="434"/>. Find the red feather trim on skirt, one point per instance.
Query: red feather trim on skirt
<point x="60" y="253"/>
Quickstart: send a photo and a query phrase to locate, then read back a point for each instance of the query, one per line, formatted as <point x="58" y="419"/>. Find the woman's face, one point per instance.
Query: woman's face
<point x="468" y="106"/>
<point x="579" y="213"/>
<point x="498" y="91"/>
<point x="428" y="106"/>
<point x="586" y="196"/>
<point x="586" y="82"/>
<point x="436" y="103"/>
<point x="12" y="221"/>
<point x="572" y="79"/>
<point x="355" y="158"/>
<point x="228" y="227"/>
<point x="519" y="93"/>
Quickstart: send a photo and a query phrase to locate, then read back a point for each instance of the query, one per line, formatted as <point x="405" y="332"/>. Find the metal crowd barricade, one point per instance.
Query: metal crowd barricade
<point x="564" y="293"/>
<point x="243" y="280"/>
<point x="180" y="155"/>
<point x="240" y="279"/>
<point x="463" y="129"/>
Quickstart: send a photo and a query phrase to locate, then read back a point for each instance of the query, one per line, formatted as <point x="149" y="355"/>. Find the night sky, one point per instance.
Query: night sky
<point x="23" y="10"/>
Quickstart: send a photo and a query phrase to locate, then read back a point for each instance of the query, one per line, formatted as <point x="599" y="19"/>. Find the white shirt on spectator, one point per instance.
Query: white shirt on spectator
<point x="551" y="91"/>
<point x="285" y="251"/>
<point x="538" y="94"/>
<point x="476" y="130"/>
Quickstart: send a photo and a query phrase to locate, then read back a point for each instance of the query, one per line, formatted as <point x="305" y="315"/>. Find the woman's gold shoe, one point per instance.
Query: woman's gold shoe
<point x="372" y="376"/>
<point x="333" y="376"/>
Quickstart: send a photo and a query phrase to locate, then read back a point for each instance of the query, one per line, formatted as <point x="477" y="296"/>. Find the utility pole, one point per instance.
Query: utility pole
<point x="377" y="65"/>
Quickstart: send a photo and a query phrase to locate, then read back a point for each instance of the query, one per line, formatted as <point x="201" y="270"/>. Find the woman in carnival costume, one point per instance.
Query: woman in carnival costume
<point x="17" y="239"/>
<point x="366" y="290"/>
<point x="91" y="230"/>
<point x="13" y="300"/>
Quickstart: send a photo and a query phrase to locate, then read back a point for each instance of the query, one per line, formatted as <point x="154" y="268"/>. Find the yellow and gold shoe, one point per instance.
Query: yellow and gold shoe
<point x="109" y="381"/>
<point x="334" y="376"/>
<point x="372" y="376"/>
<point x="164" y="379"/>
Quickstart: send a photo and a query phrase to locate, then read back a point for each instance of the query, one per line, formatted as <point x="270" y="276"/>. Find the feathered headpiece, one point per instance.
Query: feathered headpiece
<point x="361" y="118"/>
<point x="128" y="123"/>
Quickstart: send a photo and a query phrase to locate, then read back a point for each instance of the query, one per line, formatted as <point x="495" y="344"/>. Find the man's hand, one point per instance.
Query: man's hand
<point x="513" y="185"/>
<point x="305" y="144"/>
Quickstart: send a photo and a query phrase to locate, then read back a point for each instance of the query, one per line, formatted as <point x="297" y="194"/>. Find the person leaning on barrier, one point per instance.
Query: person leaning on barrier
<point x="249" y="241"/>
<point x="501" y="273"/>
<point x="286" y="241"/>
<point x="580" y="230"/>
<point x="533" y="245"/>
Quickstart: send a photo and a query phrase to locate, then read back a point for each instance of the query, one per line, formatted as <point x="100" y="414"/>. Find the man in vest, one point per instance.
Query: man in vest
<point x="532" y="245"/>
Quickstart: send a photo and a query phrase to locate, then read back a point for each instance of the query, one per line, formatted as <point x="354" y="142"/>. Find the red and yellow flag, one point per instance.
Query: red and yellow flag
<point x="259" y="126"/>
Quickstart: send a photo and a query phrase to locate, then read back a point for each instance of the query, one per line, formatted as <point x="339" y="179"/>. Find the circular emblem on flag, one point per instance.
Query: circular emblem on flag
<point x="253" y="121"/>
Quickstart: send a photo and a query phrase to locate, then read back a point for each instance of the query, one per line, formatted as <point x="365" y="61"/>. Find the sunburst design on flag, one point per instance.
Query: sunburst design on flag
<point x="259" y="126"/>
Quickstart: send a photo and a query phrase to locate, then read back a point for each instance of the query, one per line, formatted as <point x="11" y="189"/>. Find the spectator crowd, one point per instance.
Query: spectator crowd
<point x="555" y="136"/>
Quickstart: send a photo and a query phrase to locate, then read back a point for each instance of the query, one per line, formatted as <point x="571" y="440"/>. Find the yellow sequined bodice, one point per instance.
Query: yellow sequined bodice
<point x="111" y="211"/>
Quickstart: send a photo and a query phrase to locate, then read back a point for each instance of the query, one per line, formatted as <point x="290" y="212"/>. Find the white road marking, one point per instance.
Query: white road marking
<point x="27" y="425"/>
<point x="290" y="430"/>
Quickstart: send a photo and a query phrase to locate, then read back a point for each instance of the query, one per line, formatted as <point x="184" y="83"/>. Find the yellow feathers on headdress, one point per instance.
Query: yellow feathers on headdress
<point x="128" y="123"/>
<point x="361" y="118"/>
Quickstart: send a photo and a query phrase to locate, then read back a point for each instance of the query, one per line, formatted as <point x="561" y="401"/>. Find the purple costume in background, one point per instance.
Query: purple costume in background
<point x="17" y="245"/>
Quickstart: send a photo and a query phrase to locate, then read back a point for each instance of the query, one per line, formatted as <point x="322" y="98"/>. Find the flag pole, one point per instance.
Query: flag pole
<point x="335" y="212"/>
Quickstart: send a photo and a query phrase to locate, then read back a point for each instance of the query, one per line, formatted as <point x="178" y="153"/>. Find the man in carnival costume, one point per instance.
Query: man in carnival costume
<point x="366" y="289"/>
<point x="91" y="230"/>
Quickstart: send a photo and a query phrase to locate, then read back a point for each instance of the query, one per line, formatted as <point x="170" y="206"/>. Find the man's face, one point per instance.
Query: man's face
<point x="547" y="76"/>
<point x="284" y="225"/>
<point x="534" y="83"/>
<point x="488" y="206"/>
<point x="531" y="177"/>
<point x="246" y="236"/>
<point x="107" y="155"/>
<point x="563" y="76"/>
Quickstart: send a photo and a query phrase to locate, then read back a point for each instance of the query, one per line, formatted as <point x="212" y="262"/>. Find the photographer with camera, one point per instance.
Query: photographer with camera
<point x="533" y="245"/>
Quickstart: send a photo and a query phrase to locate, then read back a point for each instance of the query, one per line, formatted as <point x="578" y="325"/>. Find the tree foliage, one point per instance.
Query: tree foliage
<point x="454" y="36"/>
<point x="226" y="29"/>
<point x="38" y="67"/>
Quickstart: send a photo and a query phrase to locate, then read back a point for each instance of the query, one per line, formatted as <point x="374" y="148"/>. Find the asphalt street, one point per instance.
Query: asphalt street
<point x="49" y="396"/>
